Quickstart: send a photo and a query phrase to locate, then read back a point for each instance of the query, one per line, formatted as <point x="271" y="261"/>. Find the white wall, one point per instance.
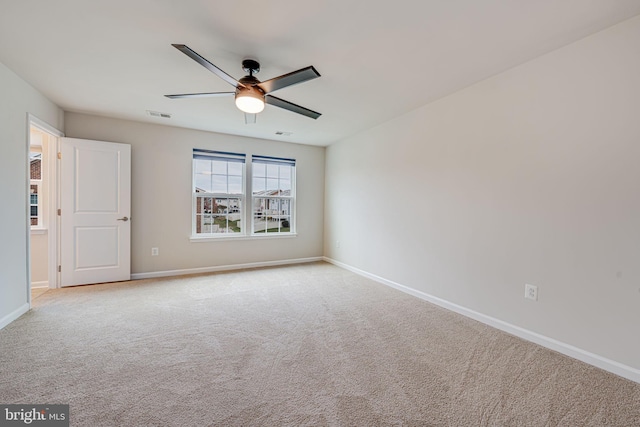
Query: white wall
<point x="40" y="260"/>
<point x="18" y="99"/>
<point x="161" y="195"/>
<point x="531" y="176"/>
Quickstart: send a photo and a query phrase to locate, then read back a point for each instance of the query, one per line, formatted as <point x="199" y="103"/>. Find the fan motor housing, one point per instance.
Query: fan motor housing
<point x="254" y="91"/>
<point x="246" y="91"/>
<point x="250" y="83"/>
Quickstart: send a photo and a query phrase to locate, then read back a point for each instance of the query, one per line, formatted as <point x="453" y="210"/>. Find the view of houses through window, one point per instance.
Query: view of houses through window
<point x="35" y="187"/>
<point x="272" y="194"/>
<point x="219" y="189"/>
<point x="218" y="192"/>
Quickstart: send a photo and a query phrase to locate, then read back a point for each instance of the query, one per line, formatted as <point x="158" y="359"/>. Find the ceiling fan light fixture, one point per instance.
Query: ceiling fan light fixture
<point x="250" y="93"/>
<point x="249" y="100"/>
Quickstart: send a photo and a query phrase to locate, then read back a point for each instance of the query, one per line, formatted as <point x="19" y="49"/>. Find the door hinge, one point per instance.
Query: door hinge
<point x="59" y="268"/>
<point x="59" y="155"/>
<point x="59" y="212"/>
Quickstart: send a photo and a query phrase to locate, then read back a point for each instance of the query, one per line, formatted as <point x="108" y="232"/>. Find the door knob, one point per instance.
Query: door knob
<point x="124" y="218"/>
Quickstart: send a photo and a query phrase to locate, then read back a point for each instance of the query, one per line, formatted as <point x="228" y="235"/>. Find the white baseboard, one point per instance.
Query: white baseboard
<point x="167" y="273"/>
<point x="14" y="315"/>
<point x="37" y="285"/>
<point x="584" y="356"/>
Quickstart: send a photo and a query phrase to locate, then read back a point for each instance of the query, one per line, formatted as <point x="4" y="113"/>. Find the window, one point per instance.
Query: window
<point x="35" y="188"/>
<point x="221" y="182"/>
<point x="273" y="194"/>
<point x="218" y="193"/>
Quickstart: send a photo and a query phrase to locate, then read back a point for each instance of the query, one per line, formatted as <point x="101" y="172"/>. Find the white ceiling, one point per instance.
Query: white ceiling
<point x="378" y="59"/>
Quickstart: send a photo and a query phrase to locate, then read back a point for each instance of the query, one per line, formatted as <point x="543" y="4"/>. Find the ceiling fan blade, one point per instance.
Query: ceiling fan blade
<point x="277" y="102"/>
<point x="292" y="78"/>
<point x="208" y="65"/>
<point x="199" y="95"/>
<point x="249" y="118"/>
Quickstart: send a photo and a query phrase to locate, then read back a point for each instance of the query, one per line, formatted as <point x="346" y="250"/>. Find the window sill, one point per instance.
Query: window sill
<point x="199" y="239"/>
<point x="38" y="231"/>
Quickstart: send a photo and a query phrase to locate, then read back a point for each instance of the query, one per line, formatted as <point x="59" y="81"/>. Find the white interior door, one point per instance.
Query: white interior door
<point x="95" y="202"/>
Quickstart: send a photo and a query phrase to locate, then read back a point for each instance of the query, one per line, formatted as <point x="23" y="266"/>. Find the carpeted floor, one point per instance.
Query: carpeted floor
<point x="36" y="292"/>
<point x="304" y="345"/>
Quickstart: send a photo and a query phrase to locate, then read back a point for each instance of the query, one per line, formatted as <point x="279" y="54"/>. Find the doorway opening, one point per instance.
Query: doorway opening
<point x="42" y="191"/>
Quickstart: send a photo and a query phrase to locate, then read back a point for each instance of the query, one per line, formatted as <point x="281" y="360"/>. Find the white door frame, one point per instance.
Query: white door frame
<point x="52" y="221"/>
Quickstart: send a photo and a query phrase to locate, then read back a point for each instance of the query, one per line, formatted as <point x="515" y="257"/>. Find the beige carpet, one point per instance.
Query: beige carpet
<point x="36" y="292"/>
<point x="306" y="345"/>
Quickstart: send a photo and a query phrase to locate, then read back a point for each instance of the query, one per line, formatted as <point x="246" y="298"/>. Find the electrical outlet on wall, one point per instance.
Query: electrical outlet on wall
<point x="155" y="252"/>
<point x="337" y="243"/>
<point x="531" y="292"/>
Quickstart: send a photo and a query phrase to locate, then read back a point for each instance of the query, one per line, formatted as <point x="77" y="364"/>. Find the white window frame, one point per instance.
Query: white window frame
<point x="39" y="183"/>
<point x="38" y="193"/>
<point x="291" y="198"/>
<point x="223" y="156"/>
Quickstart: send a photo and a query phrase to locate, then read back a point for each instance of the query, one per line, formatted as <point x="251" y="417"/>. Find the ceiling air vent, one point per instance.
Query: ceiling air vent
<point x="158" y="114"/>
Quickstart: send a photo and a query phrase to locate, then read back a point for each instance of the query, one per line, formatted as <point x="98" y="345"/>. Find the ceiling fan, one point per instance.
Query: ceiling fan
<point x="251" y="94"/>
